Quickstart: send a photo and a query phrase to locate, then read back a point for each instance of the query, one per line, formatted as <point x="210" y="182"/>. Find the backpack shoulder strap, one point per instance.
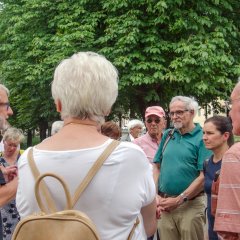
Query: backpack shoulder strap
<point x="169" y="136"/>
<point x="93" y="170"/>
<point x="43" y="187"/>
<point x="133" y="229"/>
<point x="205" y="163"/>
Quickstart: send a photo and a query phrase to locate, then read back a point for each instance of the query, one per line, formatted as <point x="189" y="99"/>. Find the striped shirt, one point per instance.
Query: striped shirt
<point x="227" y="217"/>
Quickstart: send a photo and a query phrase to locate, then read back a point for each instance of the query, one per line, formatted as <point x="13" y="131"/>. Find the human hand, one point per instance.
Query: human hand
<point x="9" y="173"/>
<point x="169" y="204"/>
<point x="160" y="209"/>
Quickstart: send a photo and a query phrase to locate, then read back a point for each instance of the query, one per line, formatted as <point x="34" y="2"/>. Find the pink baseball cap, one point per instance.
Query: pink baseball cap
<point x="154" y="110"/>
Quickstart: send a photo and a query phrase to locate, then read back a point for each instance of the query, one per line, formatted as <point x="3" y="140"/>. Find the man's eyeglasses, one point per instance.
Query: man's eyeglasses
<point x="150" y="120"/>
<point x="7" y="104"/>
<point x="229" y="103"/>
<point x="178" y="113"/>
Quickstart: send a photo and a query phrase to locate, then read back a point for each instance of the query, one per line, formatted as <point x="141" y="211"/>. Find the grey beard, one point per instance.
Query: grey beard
<point x="177" y="125"/>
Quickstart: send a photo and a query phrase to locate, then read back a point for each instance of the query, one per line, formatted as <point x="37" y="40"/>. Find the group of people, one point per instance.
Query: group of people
<point x="186" y="160"/>
<point x="160" y="177"/>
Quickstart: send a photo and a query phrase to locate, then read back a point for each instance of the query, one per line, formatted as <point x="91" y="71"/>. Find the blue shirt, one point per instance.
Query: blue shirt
<point x="209" y="173"/>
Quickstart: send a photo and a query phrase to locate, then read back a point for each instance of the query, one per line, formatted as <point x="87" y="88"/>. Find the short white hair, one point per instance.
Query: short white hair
<point x="86" y="85"/>
<point x="13" y="134"/>
<point x="190" y="103"/>
<point x="5" y="89"/>
<point x="133" y="123"/>
<point x="56" y="126"/>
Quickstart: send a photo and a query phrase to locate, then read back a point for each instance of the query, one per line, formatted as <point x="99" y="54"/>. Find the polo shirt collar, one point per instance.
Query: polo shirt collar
<point x="197" y="129"/>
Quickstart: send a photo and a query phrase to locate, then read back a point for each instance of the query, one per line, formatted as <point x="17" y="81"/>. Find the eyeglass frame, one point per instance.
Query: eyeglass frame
<point x="7" y="104"/>
<point x="178" y="113"/>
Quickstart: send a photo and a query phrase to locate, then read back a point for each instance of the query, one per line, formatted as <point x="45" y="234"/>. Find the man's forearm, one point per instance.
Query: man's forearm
<point x="156" y="172"/>
<point x="195" y="187"/>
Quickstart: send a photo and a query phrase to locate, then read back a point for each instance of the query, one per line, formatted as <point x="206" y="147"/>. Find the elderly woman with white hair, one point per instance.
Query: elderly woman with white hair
<point x="84" y="88"/>
<point x="11" y="142"/>
<point x="56" y="126"/>
<point x="135" y="128"/>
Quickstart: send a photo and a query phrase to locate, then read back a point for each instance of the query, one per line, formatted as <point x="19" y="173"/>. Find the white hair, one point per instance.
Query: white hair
<point x="190" y="103"/>
<point x="86" y="85"/>
<point x="56" y="126"/>
<point x="5" y="89"/>
<point x="13" y="134"/>
<point x="133" y="123"/>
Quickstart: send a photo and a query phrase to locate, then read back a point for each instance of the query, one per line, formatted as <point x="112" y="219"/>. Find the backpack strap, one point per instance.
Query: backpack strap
<point x="43" y="187"/>
<point x="64" y="185"/>
<point x="133" y="229"/>
<point x="169" y="136"/>
<point x="93" y="170"/>
<point x="205" y="164"/>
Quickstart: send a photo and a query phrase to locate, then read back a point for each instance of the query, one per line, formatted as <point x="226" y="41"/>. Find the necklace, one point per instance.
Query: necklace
<point x="79" y="121"/>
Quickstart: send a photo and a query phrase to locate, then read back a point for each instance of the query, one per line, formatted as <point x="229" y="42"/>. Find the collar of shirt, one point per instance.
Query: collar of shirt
<point x="131" y="137"/>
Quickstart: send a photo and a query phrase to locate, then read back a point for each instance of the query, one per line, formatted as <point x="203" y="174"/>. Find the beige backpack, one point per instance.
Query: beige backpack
<point x="61" y="225"/>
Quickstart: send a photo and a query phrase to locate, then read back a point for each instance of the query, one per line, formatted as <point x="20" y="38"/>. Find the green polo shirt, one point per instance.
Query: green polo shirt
<point x="182" y="160"/>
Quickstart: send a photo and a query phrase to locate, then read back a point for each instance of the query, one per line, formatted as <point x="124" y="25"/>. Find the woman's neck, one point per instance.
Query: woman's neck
<point x="219" y="152"/>
<point x="78" y="121"/>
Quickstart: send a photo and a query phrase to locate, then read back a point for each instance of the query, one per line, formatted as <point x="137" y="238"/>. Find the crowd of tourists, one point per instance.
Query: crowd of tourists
<point x="152" y="185"/>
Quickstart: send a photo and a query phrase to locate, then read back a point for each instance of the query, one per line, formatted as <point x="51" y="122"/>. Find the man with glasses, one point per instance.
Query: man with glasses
<point x="5" y="109"/>
<point x="8" y="178"/>
<point x="155" y="124"/>
<point x="178" y="173"/>
<point x="227" y="218"/>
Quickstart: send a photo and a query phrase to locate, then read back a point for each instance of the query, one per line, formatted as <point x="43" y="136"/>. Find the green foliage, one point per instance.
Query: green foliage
<point x="161" y="49"/>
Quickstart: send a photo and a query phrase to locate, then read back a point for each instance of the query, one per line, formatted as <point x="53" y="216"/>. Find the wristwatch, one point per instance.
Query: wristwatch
<point x="184" y="197"/>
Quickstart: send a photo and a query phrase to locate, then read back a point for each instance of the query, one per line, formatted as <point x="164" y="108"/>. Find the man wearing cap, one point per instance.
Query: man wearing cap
<point x="155" y="124"/>
<point x="178" y="172"/>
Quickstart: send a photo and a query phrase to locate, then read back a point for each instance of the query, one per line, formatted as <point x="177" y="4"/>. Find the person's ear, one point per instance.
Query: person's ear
<point x="226" y="135"/>
<point x="58" y="105"/>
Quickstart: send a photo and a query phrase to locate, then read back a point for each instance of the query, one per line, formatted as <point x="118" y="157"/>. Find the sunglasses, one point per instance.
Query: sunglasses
<point x="149" y="120"/>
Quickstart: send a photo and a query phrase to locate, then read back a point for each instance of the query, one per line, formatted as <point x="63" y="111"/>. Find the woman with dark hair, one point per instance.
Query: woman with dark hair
<point x="111" y="129"/>
<point x="218" y="137"/>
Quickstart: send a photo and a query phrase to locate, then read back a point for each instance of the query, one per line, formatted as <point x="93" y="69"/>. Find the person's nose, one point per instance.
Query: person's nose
<point x="174" y="116"/>
<point x="10" y="111"/>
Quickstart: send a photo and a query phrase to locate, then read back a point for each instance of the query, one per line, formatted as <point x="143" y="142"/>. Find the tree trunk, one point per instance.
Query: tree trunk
<point x="43" y="126"/>
<point x="29" y="137"/>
